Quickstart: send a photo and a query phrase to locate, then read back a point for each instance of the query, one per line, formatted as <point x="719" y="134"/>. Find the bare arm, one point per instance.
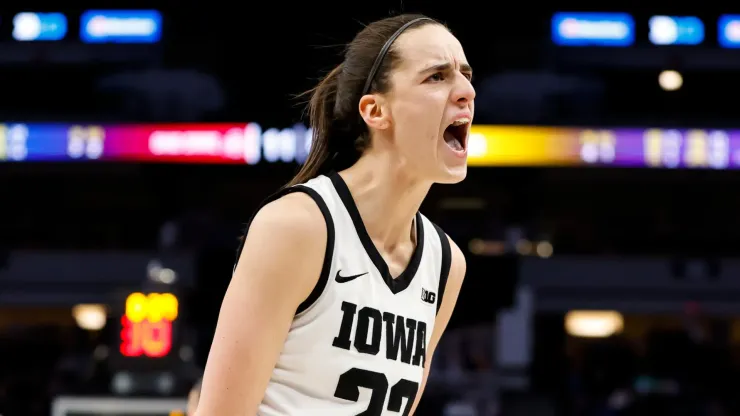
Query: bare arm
<point x="452" y="290"/>
<point x="277" y="270"/>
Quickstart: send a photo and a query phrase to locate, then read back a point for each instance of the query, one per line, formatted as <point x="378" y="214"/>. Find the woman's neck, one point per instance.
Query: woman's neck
<point x="386" y="196"/>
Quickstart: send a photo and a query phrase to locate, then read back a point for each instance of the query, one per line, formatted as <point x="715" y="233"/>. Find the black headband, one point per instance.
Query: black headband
<point x="384" y="51"/>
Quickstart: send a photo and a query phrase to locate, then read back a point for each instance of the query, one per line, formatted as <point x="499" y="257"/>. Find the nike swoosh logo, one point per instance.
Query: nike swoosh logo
<point x="345" y="279"/>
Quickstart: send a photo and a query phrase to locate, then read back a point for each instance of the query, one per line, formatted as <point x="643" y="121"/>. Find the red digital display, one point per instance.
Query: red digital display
<point x="147" y="325"/>
<point x="151" y="339"/>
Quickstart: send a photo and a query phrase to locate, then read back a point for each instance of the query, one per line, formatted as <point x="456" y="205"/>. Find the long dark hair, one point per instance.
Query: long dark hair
<point x="340" y="135"/>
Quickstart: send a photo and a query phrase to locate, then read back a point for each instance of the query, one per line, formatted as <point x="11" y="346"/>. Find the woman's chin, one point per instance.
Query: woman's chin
<point x="453" y="174"/>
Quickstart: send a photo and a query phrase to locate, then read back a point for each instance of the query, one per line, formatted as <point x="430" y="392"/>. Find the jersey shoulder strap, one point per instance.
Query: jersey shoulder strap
<point x="330" y="236"/>
<point x="446" y="262"/>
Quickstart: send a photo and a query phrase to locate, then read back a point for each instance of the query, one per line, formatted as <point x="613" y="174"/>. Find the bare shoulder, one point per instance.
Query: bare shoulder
<point x="453" y="285"/>
<point x="278" y="268"/>
<point x="295" y="215"/>
<point x="458" y="264"/>
<point x="285" y="244"/>
<point x="451" y="292"/>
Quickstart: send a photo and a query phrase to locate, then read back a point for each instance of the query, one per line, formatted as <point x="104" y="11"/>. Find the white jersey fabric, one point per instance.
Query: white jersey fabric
<point x="358" y="344"/>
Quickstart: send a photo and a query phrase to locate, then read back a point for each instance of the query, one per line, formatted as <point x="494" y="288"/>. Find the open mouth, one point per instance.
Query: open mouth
<point x="456" y="135"/>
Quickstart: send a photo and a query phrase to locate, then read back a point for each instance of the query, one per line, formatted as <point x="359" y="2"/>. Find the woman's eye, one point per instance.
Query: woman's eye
<point x="436" y="77"/>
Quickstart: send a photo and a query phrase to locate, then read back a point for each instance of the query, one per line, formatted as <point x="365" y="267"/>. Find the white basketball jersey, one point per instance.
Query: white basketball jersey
<point x="358" y="344"/>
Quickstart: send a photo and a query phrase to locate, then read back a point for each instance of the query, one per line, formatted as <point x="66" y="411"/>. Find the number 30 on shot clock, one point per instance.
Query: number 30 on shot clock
<point x="147" y="324"/>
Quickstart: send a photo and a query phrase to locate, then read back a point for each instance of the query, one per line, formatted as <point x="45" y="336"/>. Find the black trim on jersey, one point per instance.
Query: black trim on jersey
<point x="325" y="268"/>
<point x="444" y="272"/>
<point x="404" y="279"/>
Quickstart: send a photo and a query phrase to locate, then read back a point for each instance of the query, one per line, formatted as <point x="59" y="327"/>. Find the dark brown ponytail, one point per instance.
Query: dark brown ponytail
<point x="321" y="117"/>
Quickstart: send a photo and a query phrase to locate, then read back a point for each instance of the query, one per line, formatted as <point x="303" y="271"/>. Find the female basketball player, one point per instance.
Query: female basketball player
<point x="342" y="289"/>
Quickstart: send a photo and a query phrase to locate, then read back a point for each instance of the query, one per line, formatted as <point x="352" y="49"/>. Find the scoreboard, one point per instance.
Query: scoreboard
<point x="618" y="147"/>
<point x="222" y="143"/>
<point x="148" y="334"/>
<point x="146" y="325"/>
<point x="251" y="143"/>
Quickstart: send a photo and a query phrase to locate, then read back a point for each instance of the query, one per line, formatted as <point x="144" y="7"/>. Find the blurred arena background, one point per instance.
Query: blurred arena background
<point x="600" y="215"/>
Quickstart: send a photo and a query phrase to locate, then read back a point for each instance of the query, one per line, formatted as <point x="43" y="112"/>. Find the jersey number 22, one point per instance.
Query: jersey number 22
<point x="348" y="388"/>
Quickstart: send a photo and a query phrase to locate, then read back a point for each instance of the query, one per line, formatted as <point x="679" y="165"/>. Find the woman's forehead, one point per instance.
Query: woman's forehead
<point x="427" y="46"/>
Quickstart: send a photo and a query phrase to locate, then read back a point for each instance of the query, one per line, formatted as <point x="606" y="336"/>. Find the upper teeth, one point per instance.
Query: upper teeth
<point x="461" y="121"/>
